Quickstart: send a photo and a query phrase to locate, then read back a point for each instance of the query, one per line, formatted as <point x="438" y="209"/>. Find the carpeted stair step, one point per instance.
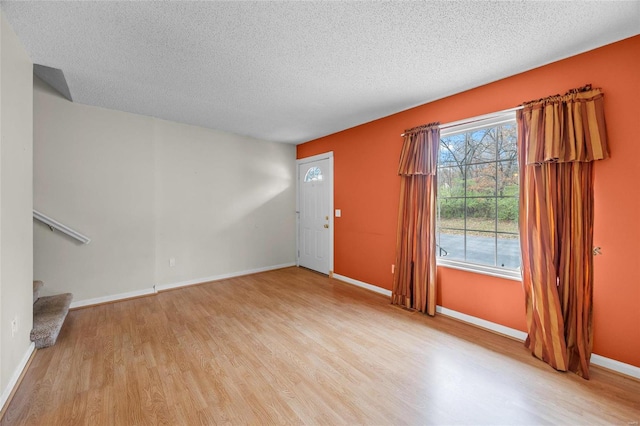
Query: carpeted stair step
<point x="37" y="285"/>
<point x="49" y="313"/>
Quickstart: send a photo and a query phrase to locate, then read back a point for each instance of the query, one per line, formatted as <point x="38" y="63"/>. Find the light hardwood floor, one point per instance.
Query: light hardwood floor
<point x="292" y="346"/>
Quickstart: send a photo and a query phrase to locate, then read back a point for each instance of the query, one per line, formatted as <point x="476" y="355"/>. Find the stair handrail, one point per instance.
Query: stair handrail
<point x="54" y="224"/>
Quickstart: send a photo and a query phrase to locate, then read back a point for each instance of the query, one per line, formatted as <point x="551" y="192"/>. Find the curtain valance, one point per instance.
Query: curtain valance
<point x="419" y="156"/>
<point x="569" y="128"/>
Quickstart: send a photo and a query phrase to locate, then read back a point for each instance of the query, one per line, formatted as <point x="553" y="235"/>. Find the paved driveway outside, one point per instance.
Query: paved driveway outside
<point x="481" y="250"/>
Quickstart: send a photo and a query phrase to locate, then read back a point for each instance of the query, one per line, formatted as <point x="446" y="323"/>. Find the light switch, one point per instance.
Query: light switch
<point x="338" y="212"/>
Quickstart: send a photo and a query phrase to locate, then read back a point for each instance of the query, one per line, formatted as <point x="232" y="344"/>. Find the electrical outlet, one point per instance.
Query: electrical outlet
<point x="172" y="262"/>
<point x="14" y="326"/>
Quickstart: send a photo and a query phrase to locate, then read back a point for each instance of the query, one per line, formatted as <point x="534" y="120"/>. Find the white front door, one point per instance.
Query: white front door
<point x="315" y="180"/>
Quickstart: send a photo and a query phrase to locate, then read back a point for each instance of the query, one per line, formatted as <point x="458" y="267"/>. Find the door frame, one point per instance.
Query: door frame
<point x="323" y="156"/>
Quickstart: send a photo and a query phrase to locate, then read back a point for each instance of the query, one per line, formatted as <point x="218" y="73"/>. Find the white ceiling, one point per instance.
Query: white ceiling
<point x="295" y="71"/>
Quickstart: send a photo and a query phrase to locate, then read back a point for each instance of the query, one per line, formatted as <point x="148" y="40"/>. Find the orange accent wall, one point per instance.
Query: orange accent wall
<point x="367" y="186"/>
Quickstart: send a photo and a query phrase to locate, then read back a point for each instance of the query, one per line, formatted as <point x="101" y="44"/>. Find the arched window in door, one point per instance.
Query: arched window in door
<point x="313" y="174"/>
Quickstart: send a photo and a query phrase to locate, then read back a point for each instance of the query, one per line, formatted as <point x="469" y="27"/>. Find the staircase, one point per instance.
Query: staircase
<point x="49" y="313"/>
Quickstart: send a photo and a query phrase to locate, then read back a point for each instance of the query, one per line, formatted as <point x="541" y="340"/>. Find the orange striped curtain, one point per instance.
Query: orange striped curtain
<point x="558" y="140"/>
<point x="414" y="281"/>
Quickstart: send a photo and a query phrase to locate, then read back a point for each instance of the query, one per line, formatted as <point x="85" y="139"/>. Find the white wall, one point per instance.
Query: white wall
<point x="16" y="229"/>
<point x="145" y="190"/>
<point x="224" y="203"/>
<point x="94" y="172"/>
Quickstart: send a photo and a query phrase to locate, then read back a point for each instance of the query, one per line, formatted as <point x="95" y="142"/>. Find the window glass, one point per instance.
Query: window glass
<point x="478" y="187"/>
<point x="313" y="174"/>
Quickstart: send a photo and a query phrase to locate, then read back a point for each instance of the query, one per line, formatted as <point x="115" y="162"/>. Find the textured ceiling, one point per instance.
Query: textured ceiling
<point x="295" y="71"/>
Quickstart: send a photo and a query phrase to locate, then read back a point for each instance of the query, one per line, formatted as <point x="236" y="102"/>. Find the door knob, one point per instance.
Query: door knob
<point x="326" y="225"/>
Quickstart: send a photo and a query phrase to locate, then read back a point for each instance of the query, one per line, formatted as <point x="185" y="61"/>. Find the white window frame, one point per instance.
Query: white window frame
<point x="466" y="126"/>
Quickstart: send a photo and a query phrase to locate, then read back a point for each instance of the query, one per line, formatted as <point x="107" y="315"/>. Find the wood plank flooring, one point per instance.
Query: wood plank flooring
<point x="295" y="347"/>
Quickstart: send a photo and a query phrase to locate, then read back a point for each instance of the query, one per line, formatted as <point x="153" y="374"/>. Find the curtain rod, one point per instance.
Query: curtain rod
<point x="476" y="118"/>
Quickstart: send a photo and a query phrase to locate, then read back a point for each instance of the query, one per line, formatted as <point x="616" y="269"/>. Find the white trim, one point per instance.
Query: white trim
<point x="112" y="298"/>
<point x="471" y="122"/>
<point x="599" y="360"/>
<point x="513" y="275"/>
<point x="363" y="284"/>
<point x="478" y="122"/>
<point x="332" y="215"/>
<point x="60" y="227"/>
<point x="617" y="366"/>
<point x="479" y="322"/>
<point x="161" y="287"/>
<point x="16" y="375"/>
<point x="324" y="156"/>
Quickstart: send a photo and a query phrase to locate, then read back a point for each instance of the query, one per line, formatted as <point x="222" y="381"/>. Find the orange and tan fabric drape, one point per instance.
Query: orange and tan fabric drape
<point x="414" y="281"/>
<point x="558" y="139"/>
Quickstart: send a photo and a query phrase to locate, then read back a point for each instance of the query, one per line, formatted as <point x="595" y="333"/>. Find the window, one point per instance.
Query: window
<point x="313" y="174"/>
<point x="478" y="187"/>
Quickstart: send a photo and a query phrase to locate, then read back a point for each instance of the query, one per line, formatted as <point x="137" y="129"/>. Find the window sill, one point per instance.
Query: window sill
<point x="513" y="275"/>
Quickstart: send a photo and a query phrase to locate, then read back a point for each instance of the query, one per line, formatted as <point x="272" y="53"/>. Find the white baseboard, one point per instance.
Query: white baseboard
<point x="363" y="284"/>
<point x="612" y="364"/>
<point x="16" y="375"/>
<point x="599" y="360"/>
<point x="112" y="298"/>
<point x="161" y="287"/>
<point x="479" y="322"/>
